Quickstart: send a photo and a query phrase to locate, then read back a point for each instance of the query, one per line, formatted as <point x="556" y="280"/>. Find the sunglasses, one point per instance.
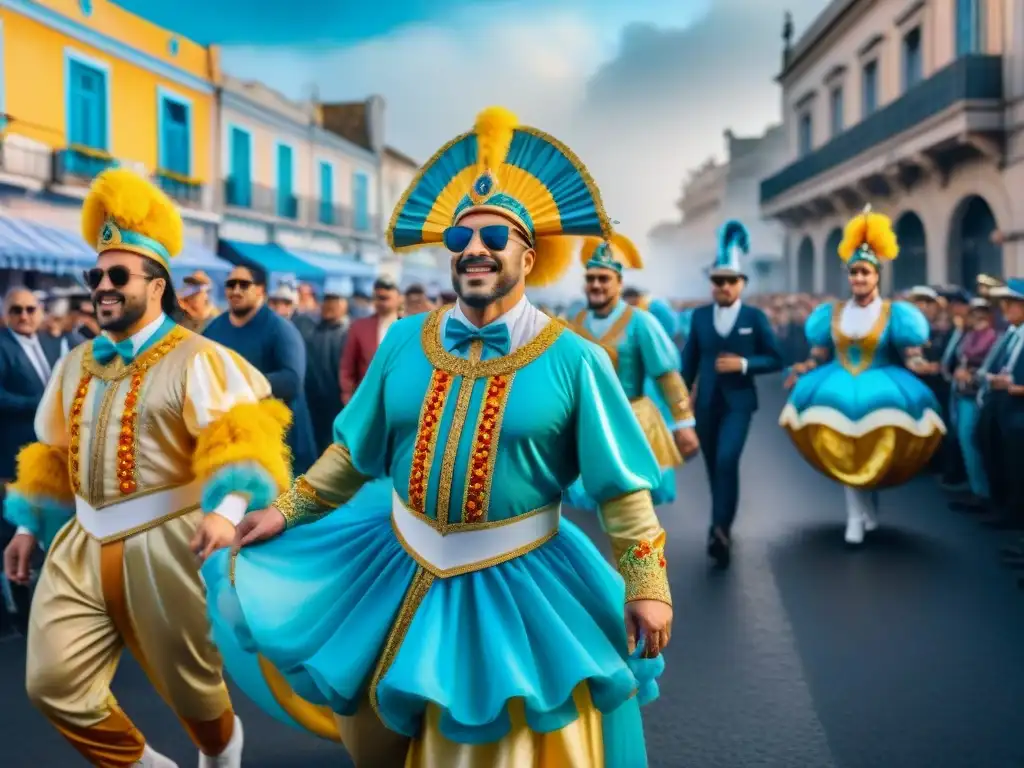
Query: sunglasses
<point x="599" y="279"/>
<point x="720" y="281"/>
<point x="862" y="271"/>
<point x="119" y="276"/>
<point x="18" y="311"/>
<point x="495" y="237"/>
<point x="242" y="285"/>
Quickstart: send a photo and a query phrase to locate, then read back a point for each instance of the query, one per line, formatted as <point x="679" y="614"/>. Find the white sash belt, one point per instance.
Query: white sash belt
<point x="471" y="547"/>
<point x="136" y="513"/>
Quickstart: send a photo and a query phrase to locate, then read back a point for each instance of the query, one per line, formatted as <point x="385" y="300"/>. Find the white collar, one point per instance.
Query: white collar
<point x="23" y="338"/>
<point x="875" y="302"/>
<point x="140" y="338"/>
<point x="731" y="309"/>
<point x="509" y="318"/>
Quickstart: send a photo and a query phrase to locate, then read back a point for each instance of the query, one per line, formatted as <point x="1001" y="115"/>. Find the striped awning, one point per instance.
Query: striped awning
<point x="29" y="245"/>
<point x="195" y="257"/>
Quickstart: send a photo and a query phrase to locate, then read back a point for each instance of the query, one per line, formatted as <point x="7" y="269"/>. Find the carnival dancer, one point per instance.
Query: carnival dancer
<point x="153" y="441"/>
<point x="641" y="353"/>
<point x="729" y="344"/>
<point x="463" y="622"/>
<point x="863" y="419"/>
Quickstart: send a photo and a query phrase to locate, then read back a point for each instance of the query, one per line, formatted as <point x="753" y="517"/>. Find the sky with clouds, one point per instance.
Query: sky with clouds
<point x="642" y="90"/>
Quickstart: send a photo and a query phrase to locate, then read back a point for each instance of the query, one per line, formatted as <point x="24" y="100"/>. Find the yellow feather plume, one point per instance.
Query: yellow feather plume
<point x="135" y="204"/>
<point x="494" y="129"/>
<point x="623" y="250"/>
<point x="554" y="257"/>
<point x="873" y="229"/>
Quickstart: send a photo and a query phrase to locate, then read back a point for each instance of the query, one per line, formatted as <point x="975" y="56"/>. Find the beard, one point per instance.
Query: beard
<point x="133" y="308"/>
<point x="505" y="281"/>
<point x="599" y="304"/>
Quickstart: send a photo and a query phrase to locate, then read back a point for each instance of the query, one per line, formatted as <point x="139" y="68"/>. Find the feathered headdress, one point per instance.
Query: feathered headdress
<point x="125" y="212"/>
<point x="869" y="237"/>
<point x="733" y="239"/>
<point x="518" y="172"/>
<point x="617" y="253"/>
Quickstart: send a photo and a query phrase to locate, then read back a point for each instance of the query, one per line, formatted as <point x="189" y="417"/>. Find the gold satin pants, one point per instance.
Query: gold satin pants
<point x="143" y="593"/>
<point x="579" y="745"/>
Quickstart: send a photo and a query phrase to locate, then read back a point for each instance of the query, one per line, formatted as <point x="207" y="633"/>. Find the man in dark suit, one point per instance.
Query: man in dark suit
<point x="729" y="344"/>
<point x="365" y="334"/>
<point x="27" y="359"/>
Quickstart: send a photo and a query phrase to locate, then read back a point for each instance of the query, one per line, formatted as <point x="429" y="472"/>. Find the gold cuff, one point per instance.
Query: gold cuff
<point x="301" y="504"/>
<point x="673" y="389"/>
<point x="334" y="477"/>
<point x="643" y="569"/>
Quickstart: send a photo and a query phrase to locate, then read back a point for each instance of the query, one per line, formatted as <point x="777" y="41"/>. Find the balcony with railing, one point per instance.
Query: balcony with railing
<point x="330" y="215"/>
<point x="186" y="191"/>
<point x="971" y="86"/>
<point x="77" y="165"/>
<point x="25" y="161"/>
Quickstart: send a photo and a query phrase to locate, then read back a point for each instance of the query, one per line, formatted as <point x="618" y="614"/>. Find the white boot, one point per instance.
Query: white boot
<point x="855" y="517"/>
<point x="231" y="757"/>
<point x="153" y="759"/>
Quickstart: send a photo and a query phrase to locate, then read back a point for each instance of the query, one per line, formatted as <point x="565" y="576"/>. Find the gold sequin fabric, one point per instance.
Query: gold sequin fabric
<point x="643" y="569"/>
<point x="301" y="503"/>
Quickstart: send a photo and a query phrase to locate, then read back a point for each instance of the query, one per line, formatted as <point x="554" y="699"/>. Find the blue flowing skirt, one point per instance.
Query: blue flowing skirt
<point x="319" y="602"/>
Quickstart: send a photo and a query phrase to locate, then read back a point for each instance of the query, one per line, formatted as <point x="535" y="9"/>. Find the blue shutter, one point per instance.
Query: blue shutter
<point x="326" y="193"/>
<point x="285" y="199"/>
<point x="838" y="120"/>
<point x="870" y="86"/>
<point x="361" y="201"/>
<point x="239" y="183"/>
<point x="87" y="123"/>
<point x="175" y="138"/>
<point x="968" y="27"/>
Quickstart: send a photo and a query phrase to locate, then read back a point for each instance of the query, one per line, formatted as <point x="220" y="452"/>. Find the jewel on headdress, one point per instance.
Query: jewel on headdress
<point x="109" y="234"/>
<point x="482" y="187"/>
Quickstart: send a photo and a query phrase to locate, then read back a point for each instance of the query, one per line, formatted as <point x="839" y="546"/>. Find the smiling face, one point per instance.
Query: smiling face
<point x="863" y="279"/>
<point x="603" y="287"/>
<point x="124" y="290"/>
<point x="494" y="261"/>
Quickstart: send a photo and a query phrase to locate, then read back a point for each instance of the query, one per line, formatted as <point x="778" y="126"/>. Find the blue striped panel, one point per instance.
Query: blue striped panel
<point x="553" y="169"/>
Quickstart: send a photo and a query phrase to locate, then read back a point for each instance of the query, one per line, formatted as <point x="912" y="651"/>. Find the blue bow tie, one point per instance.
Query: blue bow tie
<point x="494" y="336"/>
<point x="104" y="350"/>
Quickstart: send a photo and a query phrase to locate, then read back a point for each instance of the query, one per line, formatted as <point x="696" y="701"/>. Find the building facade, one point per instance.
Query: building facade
<point x="714" y="193"/>
<point x="86" y="86"/>
<point x="299" y="200"/>
<point x="916" y="107"/>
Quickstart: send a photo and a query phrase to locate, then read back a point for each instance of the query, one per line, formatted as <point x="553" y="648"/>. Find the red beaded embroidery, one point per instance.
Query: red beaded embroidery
<point x="75" y="431"/>
<point x="482" y="456"/>
<point x="126" y="440"/>
<point x="426" y="438"/>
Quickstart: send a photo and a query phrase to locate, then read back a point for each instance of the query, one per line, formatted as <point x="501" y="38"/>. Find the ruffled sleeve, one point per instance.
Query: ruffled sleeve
<point x="40" y="500"/>
<point x="818" y="327"/>
<point x="908" y="326"/>
<point x="240" y="455"/>
<point x="618" y="470"/>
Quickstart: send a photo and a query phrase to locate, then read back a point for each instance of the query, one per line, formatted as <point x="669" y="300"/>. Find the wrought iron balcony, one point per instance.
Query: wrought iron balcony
<point x="186" y="191"/>
<point x="328" y="214"/>
<point x="970" y="79"/>
<point x="79" y="165"/>
<point x="26" y="162"/>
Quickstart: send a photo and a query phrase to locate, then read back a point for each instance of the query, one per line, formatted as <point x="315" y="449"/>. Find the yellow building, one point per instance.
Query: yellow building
<point x="92" y="84"/>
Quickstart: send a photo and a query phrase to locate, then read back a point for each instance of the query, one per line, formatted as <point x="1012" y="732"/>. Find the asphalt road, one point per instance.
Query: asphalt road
<point x="906" y="654"/>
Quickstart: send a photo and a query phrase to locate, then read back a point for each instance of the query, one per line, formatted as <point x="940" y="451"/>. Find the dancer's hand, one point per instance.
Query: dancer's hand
<point x="653" y="620"/>
<point x="1000" y="381"/>
<point x="215" y="532"/>
<point x="259" y="526"/>
<point x="687" y="442"/>
<point x="790" y="381"/>
<point x="727" y="362"/>
<point x="18" y="558"/>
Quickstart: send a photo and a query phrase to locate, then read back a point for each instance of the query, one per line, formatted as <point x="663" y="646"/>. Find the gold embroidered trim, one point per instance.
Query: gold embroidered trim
<point x="426" y="439"/>
<point x="75" y="431"/>
<point x="673" y="389"/>
<point x="116" y="369"/>
<point x="443" y="360"/>
<point x="479" y="565"/>
<point x="451" y="449"/>
<point x="643" y="569"/>
<point x="421" y="582"/>
<point x="301" y="503"/>
<point x="868" y="345"/>
<point x="610" y="340"/>
<point x="477" y="495"/>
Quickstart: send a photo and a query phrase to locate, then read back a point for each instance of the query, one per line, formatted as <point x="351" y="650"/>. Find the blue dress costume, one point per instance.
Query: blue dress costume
<point x="645" y="359"/>
<point x="668" y="319"/>
<point x="863" y="419"/>
<point x="447" y="591"/>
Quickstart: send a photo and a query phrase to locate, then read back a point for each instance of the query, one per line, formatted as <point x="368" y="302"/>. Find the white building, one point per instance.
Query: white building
<point x="917" y="107"/>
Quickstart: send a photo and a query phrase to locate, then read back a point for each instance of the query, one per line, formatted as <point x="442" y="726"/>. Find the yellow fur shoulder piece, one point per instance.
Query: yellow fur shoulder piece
<point x="249" y="432"/>
<point x="135" y="204"/>
<point x="42" y="473"/>
<point x="872" y="229"/>
<point x="554" y="257"/>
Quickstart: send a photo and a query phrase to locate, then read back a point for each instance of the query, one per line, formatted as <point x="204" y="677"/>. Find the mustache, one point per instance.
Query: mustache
<point x="99" y="296"/>
<point x="466" y="262"/>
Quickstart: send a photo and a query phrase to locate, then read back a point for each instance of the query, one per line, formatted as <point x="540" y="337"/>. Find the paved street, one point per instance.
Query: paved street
<point x="907" y="654"/>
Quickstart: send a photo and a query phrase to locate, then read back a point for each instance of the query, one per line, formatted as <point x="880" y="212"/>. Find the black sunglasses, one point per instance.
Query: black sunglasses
<point x="601" y="279"/>
<point x="242" y="285"/>
<point x="18" y="311"/>
<point x="860" y="271"/>
<point x="119" y="276"/>
<point x="495" y="237"/>
<point x="720" y="281"/>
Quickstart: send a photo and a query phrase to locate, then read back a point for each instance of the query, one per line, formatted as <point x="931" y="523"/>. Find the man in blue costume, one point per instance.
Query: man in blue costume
<point x="449" y="616"/>
<point x="728" y="345"/>
<point x="644" y="357"/>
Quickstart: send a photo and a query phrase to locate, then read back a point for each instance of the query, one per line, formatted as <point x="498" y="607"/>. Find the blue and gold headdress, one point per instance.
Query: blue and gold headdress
<point x="519" y="172"/>
<point x="125" y="212"/>
<point x="617" y="253"/>
<point x="869" y="237"/>
<point x="733" y="239"/>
